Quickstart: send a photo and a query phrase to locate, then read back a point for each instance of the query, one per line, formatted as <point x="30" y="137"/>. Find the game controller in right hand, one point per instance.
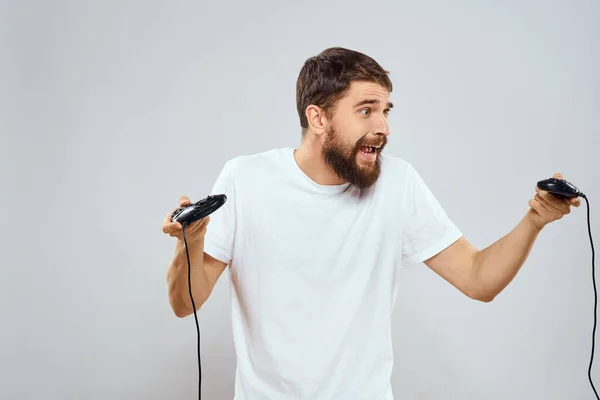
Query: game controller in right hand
<point x="193" y="212"/>
<point x="192" y="216"/>
<point x="194" y="231"/>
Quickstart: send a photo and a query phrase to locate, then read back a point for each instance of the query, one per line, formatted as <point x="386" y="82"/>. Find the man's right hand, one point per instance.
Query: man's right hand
<point x="194" y="232"/>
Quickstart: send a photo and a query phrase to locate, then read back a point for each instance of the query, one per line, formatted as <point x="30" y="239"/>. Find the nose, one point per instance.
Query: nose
<point x="383" y="126"/>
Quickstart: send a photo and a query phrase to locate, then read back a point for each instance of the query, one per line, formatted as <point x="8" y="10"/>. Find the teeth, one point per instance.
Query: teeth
<point x="370" y="148"/>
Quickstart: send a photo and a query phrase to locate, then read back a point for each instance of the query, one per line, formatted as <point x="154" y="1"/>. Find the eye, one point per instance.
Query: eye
<point x="365" y="111"/>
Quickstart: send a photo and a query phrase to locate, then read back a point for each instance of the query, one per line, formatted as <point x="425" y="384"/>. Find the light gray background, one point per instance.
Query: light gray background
<point x="110" y="111"/>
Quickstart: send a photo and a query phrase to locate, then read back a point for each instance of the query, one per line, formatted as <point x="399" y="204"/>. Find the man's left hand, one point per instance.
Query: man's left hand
<point x="546" y="207"/>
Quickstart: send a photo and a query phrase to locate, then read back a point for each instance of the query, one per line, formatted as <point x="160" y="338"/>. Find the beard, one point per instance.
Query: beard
<point x="343" y="159"/>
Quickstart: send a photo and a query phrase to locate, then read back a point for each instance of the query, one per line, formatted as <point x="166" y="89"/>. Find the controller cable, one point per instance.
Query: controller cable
<point x="595" y="296"/>
<point x="187" y="215"/>
<point x="183" y="225"/>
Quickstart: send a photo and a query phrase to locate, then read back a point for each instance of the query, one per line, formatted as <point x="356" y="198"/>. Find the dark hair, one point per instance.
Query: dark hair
<point x="325" y="78"/>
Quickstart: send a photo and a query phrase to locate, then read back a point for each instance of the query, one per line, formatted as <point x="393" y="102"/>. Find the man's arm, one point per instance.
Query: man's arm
<point x="483" y="274"/>
<point x="205" y="273"/>
<point x="204" y="270"/>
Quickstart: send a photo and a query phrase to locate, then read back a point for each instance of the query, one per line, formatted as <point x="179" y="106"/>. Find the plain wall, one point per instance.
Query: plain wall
<point x="112" y="110"/>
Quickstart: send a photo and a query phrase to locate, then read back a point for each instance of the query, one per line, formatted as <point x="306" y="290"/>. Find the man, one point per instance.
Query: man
<point x="314" y="238"/>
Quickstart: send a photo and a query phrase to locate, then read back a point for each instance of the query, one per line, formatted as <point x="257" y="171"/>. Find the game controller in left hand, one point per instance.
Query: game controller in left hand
<point x="560" y="188"/>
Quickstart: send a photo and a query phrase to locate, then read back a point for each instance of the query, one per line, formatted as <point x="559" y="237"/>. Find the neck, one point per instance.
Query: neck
<point x="309" y="157"/>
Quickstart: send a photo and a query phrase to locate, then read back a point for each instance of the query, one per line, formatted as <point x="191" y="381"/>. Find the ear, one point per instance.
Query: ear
<point x="317" y="120"/>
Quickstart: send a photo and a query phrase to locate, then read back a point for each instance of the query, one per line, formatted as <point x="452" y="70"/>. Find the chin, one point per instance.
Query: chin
<point x="367" y="164"/>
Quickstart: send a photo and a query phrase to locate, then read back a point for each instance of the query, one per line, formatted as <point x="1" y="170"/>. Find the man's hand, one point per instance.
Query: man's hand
<point x="194" y="232"/>
<point x="546" y="207"/>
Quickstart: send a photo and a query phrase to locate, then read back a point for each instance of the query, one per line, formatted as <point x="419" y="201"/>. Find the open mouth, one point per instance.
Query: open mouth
<point x="367" y="149"/>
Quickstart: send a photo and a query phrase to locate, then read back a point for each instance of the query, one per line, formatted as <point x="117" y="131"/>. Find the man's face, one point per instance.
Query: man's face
<point x="357" y="134"/>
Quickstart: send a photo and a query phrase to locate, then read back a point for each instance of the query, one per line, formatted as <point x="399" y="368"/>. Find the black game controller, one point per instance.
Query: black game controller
<point x="560" y="188"/>
<point x="198" y="210"/>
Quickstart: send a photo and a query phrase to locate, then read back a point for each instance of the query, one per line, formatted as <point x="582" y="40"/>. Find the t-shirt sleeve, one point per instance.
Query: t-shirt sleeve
<point x="427" y="229"/>
<point x="220" y="231"/>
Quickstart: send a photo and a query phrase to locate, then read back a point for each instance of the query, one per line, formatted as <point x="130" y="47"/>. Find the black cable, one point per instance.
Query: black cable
<point x="595" y="296"/>
<point x="194" y="308"/>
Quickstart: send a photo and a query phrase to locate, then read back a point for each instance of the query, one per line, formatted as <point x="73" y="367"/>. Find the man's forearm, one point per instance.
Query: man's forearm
<point x="495" y="266"/>
<point x="177" y="278"/>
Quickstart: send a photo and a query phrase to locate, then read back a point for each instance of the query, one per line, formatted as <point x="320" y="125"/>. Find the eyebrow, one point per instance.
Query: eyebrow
<point x="371" y="101"/>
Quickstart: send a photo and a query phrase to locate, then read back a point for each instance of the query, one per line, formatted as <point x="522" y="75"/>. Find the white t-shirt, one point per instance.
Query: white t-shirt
<point x="314" y="273"/>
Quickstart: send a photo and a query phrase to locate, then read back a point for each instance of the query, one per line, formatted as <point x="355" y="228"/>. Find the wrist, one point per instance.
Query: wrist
<point x="192" y="240"/>
<point x="532" y="221"/>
